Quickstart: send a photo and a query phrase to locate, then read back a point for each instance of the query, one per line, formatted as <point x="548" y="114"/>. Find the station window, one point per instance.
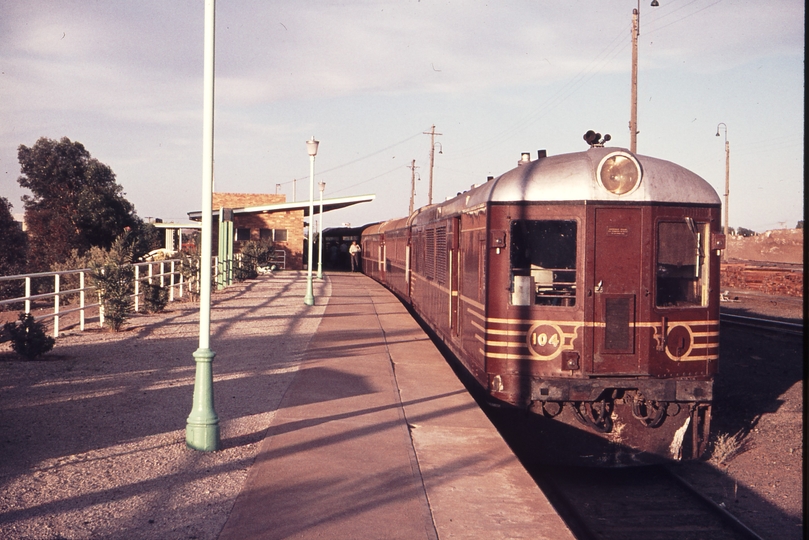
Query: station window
<point x="543" y="263"/>
<point x="242" y="235"/>
<point x="265" y="234"/>
<point x="682" y="266"/>
<point x="279" y="235"/>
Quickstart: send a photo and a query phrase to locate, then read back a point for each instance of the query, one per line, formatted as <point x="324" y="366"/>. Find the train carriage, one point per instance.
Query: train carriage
<point x="583" y="287"/>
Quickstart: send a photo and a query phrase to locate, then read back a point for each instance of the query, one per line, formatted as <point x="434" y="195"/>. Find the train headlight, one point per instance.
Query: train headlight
<point x="619" y="173"/>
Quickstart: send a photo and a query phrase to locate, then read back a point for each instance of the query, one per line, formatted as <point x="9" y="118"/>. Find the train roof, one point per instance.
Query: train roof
<point x="575" y="177"/>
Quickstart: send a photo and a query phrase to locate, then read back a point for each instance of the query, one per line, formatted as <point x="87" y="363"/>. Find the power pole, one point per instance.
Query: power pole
<point x="412" y="184"/>
<point x="633" y="111"/>
<point x="432" y="135"/>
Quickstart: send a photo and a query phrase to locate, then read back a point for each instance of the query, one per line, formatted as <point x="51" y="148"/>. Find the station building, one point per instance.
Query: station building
<point x="257" y="216"/>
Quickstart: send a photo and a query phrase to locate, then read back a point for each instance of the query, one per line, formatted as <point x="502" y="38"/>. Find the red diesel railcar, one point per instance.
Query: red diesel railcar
<point x="584" y="287"/>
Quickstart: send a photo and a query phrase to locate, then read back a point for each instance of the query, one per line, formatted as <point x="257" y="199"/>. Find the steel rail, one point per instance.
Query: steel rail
<point x="735" y="522"/>
<point x="762" y="323"/>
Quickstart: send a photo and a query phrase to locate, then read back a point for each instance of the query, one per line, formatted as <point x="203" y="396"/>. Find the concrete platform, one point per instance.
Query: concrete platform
<point x="377" y="438"/>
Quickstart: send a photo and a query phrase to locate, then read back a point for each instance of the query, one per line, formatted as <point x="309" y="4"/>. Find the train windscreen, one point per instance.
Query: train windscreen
<point x="682" y="264"/>
<point x="543" y="262"/>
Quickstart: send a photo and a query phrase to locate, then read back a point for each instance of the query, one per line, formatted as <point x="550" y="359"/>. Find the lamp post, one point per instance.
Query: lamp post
<point x="633" y="111"/>
<point x="311" y="147"/>
<point x="727" y="172"/>
<point x="202" y="425"/>
<point x="322" y="186"/>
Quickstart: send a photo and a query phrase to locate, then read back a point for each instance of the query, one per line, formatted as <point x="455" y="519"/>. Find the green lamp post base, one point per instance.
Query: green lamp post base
<point x="202" y="428"/>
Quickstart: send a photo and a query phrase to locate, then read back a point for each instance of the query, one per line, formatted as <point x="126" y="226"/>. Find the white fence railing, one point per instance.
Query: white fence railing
<point x="167" y="273"/>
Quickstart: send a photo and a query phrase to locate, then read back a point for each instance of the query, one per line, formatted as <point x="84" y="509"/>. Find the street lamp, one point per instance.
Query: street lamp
<point x="311" y="147"/>
<point x="633" y="112"/>
<point x="727" y="172"/>
<point x="320" y="236"/>
<point x="202" y="425"/>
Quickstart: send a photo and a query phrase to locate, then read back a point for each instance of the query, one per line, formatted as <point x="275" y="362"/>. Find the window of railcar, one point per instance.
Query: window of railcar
<point x="471" y="265"/>
<point x="543" y="262"/>
<point x="682" y="265"/>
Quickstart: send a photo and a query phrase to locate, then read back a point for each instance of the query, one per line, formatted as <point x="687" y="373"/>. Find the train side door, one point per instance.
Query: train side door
<point x="454" y="273"/>
<point x="617" y="280"/>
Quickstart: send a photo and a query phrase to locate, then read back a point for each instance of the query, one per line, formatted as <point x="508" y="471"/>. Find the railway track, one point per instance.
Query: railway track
<point x="649" y="503"/>
<point x="762" y="323"/>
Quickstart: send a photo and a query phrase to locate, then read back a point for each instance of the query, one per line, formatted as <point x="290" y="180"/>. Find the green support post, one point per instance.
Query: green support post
<point x="220" y="254"/>
<point x="229" y="252"/>
<point x="202" y="427"/>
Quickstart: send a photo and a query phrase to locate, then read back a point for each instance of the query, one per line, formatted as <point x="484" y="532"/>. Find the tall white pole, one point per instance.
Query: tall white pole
<point x="311" y="146"/>
<point x="202" y="428"/>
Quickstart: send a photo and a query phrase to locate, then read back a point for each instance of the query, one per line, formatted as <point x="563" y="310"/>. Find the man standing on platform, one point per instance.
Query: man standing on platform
<point x="354" y="251"/>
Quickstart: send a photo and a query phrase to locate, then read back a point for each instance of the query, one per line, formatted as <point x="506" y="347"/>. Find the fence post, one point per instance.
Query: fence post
<point x="28" y="295"/>
<point x="171" y="283"/>
<point x="217" y="263"/>
<point x="100" y="307"/>
<point x="56" y="305"/>
<point x="81" y="300"/>
<point x="137" y="286"/>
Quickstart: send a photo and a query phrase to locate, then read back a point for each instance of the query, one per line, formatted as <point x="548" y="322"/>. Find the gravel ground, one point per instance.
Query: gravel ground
<point x="92" y="437"/>
<point x="759" y="395"/>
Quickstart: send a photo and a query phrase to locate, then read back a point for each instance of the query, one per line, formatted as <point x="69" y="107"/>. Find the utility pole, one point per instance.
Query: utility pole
<point x="432" y="135"/>
<point x="633" y="111"/>
<point x="412" y="185"/>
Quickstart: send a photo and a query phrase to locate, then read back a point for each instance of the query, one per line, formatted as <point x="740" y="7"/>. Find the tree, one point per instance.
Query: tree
<point x="76" y="203"/>
<point x="13" y="242"/>
<point x="114" y="279"/>
<point x="13" y="252"/>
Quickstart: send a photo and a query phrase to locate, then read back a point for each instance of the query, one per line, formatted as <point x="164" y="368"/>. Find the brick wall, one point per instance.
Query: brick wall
<point x="769" y="280"/>
<point x="290" y="220"/>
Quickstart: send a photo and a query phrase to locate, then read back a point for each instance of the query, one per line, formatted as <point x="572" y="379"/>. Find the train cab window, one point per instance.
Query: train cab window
<point x="543" y="263"/>
<point x="682" y="265"/>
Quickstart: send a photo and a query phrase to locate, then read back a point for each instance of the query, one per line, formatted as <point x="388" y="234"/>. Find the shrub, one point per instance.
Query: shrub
<point x="155" y="297"/>
<point x="28" y="337"/>
<point x="253" y="254"/>
<point x="725" y="447"/>
<point x="190" y="270"/>
<point x="114" y="281"/>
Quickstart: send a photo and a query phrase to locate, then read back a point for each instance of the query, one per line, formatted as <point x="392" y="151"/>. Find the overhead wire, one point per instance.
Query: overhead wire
<point x="355" y="160"/>
<point x="606" y="55"/>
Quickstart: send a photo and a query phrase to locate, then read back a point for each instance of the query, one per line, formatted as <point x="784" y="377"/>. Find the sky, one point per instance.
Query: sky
<point x="368" y="78"/>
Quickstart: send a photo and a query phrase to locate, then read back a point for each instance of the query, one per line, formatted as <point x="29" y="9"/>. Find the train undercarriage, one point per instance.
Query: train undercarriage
<point x="639" y="421"/>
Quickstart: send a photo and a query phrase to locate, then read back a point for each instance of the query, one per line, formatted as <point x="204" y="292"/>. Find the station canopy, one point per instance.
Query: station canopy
<point x="328" y="205"/>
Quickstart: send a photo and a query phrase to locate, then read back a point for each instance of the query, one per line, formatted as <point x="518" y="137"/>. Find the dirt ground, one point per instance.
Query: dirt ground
<point x="759" y="398"/>
<point x="92" y="435"/>
<point x="776" y="246"/>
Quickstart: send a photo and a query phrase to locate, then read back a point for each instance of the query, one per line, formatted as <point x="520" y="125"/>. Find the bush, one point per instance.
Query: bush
<point x="253" y="254"/>
<point x="190" y="270"/>
<point x="155" y="297"/>
<point x="28" y="337"/>
<point x="114" y="281"/>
